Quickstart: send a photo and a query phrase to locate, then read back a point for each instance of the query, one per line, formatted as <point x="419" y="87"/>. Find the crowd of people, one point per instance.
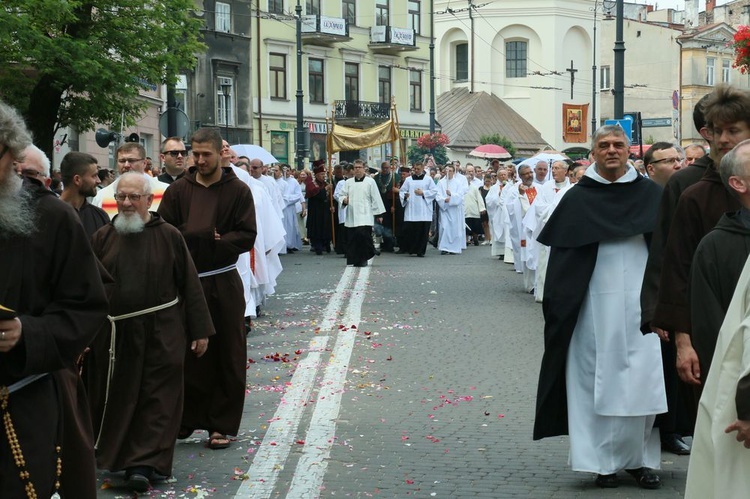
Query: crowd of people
<point x="125" y="302"/>
<point x="124" y="307"/>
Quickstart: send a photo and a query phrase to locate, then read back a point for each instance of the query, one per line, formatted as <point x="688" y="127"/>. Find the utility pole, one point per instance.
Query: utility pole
<point x="301" y="135"/>
<point x="572" y="77"/>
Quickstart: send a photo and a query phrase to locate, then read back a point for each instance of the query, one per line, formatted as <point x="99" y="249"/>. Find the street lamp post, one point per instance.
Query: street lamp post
<point x="619" y="62"/>
<point x="593" y="75"/>
<point x="301" y="136"/>
<point x="432" y="67"/>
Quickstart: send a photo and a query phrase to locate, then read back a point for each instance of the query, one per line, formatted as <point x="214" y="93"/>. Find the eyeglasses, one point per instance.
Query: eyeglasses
<point x="123" y="161"/>
<point x="28" y="172"/>
<point x="242" y="164"/>
<point x="174" y="154"/>
<point x="665" y="160"/>
<point x="132" y="197"/>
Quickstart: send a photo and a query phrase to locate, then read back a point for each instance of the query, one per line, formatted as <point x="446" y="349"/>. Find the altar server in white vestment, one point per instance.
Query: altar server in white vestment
<point x="601" y="379"/>
<point x="291" y="194"/>
<point x="520" y="199"/>
<point x="417" y="194"/>
<point x="539" y="211"/>
<point x="361" y="197"/>
<point x="449" y="198"/>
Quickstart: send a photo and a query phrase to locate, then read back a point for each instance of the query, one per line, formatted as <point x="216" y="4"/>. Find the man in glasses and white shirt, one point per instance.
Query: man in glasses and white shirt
<point x="130" y="157"/>
<point x="173" y="157"/>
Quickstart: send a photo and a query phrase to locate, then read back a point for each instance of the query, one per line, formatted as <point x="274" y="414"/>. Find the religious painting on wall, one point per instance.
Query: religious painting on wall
<point x="574" y="123"/>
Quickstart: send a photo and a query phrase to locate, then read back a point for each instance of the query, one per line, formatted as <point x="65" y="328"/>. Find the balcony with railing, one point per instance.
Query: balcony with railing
<point x="323" y="30"/>
<point x="361" y="113"/>
<point x="392" y="40"/>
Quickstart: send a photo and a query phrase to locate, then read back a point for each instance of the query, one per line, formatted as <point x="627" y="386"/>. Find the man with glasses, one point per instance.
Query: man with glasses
<point x="662" y="160"/>
<point x="130" y="157"/>
<point x="173" y="156"/>
<point x="35" y="165"/>
<point x="158" y="313"/>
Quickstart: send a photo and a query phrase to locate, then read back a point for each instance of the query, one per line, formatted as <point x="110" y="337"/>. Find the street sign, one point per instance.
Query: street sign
<point x="625" y="124"/>
<point x="656" y="122"/>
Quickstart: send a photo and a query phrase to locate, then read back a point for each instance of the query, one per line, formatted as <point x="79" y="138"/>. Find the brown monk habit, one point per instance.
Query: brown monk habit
<point x="50" y="279"/>
<point x="144" y="409"/>
<point x="215" y="383"/>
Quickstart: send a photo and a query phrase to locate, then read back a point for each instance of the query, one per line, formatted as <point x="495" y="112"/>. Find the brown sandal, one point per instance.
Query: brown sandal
<point x="218" y="441"/>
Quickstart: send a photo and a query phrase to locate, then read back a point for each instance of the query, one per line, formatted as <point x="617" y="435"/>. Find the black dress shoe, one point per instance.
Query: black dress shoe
<point x="646" y="478"/>
<point x="607" y="481"/>
<point x="672" y="442"/>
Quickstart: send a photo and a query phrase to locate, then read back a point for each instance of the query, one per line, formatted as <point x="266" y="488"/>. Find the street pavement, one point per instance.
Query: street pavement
<point x="414" y="377"/>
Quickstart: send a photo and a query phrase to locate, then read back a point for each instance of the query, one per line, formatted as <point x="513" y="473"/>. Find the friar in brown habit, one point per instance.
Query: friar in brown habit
<point x="157" y="309"/>
<point x="215" y="212"/>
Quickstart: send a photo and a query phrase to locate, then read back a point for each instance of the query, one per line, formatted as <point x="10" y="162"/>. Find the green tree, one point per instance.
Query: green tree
<point x="499" y="140"/>
<point x="416" y="153"/>
<point x="82" y="62"/>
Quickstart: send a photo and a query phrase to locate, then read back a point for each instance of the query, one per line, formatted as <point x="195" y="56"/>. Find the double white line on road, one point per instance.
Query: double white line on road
<point x="282" y="432"/>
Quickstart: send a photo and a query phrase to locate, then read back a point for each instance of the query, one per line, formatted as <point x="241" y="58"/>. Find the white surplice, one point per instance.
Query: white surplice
<point x="452" y="234"/>
<point x="418" y="208"/>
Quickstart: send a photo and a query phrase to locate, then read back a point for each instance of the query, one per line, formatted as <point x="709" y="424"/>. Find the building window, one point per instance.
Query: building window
<point x="349" y="11"/>
<point x="277" y="67"/>
<point x="462" y="62"/>
<point x="313" y="7"/>
<point x="223" y="17"/>
<point x="225" y="101"/>
<point x="316" y="80"/>
<point x="515" y="59"/>
<point x="384" y="83"/>
<point x="181" y="92"/>
<point x="604" y="82"/>
<point x="710" y="70"/>
<point x="280" y="146"/>
<point x="413" y="20"/>
<point x="415" y="90"/>
<point x="276" y="6"/>
<point x="351" y="81"/>
<point x="726" y="70"/>
<point x="381" y="13"/>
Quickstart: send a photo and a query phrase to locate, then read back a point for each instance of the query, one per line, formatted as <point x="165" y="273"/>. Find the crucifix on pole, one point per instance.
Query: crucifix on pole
<point x="572" y="77"/>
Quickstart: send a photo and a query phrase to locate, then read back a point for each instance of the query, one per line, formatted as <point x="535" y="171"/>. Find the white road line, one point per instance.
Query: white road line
<point x="312" y="465"/>
<point x="278" y="440"/>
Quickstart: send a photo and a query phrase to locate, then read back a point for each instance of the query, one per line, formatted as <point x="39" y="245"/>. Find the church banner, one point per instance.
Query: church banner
<point x="575" y="123"/>
<point x="342" y="138"/>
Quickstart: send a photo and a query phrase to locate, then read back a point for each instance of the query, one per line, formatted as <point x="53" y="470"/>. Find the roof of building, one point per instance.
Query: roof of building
<point x="466" y="116"/>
